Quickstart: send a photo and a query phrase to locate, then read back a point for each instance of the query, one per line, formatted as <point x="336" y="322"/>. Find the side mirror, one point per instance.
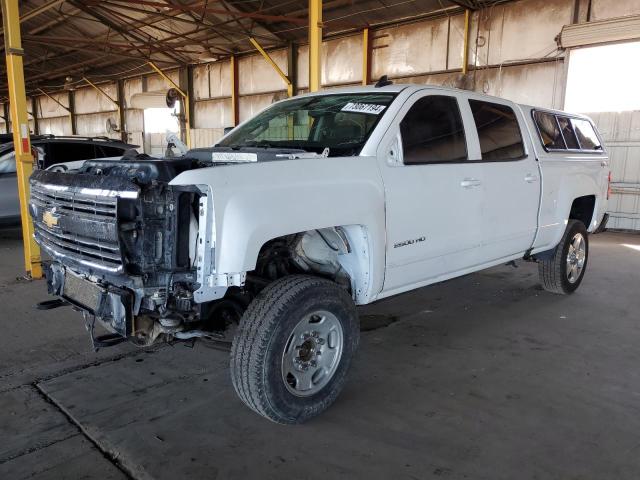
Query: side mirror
<point x="228" y="129"/>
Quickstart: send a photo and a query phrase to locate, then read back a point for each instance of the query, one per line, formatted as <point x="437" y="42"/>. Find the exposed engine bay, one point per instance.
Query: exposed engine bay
<point x="124" y="247"/>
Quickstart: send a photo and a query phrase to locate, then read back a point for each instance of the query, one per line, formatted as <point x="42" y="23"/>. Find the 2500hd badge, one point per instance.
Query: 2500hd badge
<point x="409" y="242"/>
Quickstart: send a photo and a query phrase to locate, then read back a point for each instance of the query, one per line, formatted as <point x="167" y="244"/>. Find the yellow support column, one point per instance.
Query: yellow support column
<point x="465" y="43"/>
<point x="20" y="125"/>
<point x="235" y="107"/>
<point x="366" y="49"/>
<point x="315" y="44"/>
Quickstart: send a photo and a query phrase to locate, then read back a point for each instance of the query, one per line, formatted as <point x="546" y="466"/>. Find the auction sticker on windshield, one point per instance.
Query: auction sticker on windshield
<point x="369" y="108"/>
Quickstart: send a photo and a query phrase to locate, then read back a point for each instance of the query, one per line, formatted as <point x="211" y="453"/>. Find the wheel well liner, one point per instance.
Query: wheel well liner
<point x="353" y="259"/>
<point x="582" y="209"/>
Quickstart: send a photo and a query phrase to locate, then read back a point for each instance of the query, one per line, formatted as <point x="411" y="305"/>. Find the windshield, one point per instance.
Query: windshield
<point x="341" y="122"/>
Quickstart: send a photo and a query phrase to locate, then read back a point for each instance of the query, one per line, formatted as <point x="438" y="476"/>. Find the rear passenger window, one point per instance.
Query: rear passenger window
<point x="549" y="131"/>
<point x="432" y="131"/>
<point x="498" y="131"/>
<point x="586" y="135"/>
<point x="567" y="132"/>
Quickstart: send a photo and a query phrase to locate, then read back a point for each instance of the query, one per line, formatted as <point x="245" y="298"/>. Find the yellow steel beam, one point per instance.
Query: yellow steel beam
<point x="315" y="44"/>
<point x="465" y="51"/>
<point x="20" y="124"/>
<point x="235" y="108"/>
<point x="275" y="66"/>
<point x="185" y="102"/>
<point x="366" y="50"/>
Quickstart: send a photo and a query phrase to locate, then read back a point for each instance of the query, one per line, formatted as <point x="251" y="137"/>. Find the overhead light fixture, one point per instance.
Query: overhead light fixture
<point x="67" y="83"/>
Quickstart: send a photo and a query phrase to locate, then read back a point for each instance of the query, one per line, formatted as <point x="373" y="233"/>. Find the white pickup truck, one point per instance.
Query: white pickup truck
<point x="319" y="203"/>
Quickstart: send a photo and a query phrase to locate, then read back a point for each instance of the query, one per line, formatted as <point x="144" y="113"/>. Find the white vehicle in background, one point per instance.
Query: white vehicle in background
<point x="318" y="204"/>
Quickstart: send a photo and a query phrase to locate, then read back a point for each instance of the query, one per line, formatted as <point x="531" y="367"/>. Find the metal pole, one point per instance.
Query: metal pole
<point x="366" y="50"/>
<point x="122" y="116"/>
<point x="235" y="108"/>
<point x="465" y="51"/>
<point x="73" y="118"/>
<point x="20" y="124"/>
<point x="34" y="109"/>
<point x="315" y="44"/>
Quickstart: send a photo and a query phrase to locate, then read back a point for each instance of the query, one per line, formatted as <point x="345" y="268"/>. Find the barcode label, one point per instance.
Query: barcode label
<point x="369" y="108"/>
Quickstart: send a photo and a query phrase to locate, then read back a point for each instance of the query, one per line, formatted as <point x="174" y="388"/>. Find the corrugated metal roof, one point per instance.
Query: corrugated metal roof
<point x="106" y="39"/>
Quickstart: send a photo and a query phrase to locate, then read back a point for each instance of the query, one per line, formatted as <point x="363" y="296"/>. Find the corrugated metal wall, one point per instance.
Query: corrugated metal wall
<point x="94" y="109"/>
<point x="621" y="133"/>
<point x="52" y="118"/>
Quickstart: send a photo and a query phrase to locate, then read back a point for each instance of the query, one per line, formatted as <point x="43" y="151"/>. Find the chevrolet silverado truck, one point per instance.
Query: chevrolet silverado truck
<point x="319" y="203"/>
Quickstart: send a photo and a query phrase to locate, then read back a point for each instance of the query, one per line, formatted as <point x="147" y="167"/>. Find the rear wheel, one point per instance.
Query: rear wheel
<point x="563" y="272"/>
<point x="293" y="348"/>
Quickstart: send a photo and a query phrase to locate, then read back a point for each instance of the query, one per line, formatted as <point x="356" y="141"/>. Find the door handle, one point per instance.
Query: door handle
<point x="470" y="183"/>
<point x="530" y="178"/>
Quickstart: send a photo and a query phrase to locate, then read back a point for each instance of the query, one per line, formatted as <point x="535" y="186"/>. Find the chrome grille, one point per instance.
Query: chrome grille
<point x="70" y="223"/>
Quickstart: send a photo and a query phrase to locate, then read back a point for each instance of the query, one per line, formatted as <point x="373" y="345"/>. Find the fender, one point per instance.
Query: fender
<point x="257" y="202"/>
<point x="560" y="190"/>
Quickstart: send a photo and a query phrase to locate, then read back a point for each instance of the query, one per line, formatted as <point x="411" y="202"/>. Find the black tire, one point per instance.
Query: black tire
<point x="262" y="337"/>
<point x="553" y="270"/>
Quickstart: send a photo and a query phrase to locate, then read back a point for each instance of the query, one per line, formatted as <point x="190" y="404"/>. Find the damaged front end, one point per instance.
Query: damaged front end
<point x="123" y="244"/>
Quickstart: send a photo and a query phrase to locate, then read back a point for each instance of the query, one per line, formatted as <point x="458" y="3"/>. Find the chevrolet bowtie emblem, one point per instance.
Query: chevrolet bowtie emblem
<point x="50" y="218"/>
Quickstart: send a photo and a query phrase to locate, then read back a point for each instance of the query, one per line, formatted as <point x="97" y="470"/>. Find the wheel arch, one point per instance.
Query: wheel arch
<point x="351" y="245"/>
<point x="583" y="209"/>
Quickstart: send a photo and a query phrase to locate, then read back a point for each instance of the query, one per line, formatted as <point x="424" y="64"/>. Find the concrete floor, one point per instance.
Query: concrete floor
<point x="482" y="377"/>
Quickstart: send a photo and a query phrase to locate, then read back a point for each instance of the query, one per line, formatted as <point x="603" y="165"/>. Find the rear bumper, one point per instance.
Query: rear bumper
<point x="111" y="305"/>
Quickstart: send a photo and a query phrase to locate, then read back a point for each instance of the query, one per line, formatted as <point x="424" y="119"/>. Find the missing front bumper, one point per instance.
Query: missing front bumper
<point x="112" y="306"/>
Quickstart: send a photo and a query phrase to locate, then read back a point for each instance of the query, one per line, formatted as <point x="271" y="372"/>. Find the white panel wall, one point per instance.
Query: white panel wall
<point x="256" y="75"/>
<point x="621" y="134"/>
<point x="518" y="31"/>
<point x="410" y="49"/>
<point x="603" y="9"/>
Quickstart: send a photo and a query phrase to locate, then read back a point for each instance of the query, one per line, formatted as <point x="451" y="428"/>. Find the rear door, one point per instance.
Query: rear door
<point x="433" y="192"/>
<point x="511" y="178"/>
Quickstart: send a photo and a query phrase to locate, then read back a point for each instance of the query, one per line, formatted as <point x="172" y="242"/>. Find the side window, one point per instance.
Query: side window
<point x="586" y="134"/>
<point x="549" y="131"/>
<point x="432" y="131"/>
<point x="60" y="152"/>
<point x="498" y="131"/>
<point x="568" y="134"/>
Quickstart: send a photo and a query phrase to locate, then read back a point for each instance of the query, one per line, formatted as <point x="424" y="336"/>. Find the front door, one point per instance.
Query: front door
<point x="433" y="193"/>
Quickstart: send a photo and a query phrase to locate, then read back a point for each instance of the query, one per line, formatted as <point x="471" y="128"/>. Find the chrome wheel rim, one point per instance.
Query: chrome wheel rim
<point x="576" y="257"/>
<point x="312" y="353"/>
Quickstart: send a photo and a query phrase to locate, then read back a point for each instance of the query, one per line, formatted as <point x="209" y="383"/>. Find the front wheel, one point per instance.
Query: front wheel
<point x="293" y="348"/>
<point x="563" y="272"/>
